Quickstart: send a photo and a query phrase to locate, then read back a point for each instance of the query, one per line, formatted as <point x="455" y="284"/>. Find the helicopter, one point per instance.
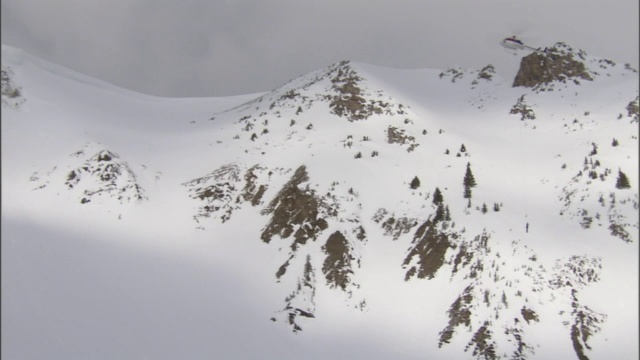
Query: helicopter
<point x="513" y="43"/>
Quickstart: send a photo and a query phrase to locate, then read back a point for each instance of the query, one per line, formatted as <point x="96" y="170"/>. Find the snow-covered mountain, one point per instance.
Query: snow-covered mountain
<point x="356" y="212"/>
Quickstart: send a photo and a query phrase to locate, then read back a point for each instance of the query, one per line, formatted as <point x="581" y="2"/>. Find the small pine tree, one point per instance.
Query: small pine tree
<point x="467" y="193"/>
<point x="484" y="208"/>
<point x="496" y="207"/>
<point x="469" y="179"/>
<point x="415" y="183"/>
<point x="622" y="182"/>
<point x="437" y="197"/>
<point x="447" y="214"/>
<point x="614" y="142"/>
<point x="440" y="214"/>
<point x="463" y="148"/>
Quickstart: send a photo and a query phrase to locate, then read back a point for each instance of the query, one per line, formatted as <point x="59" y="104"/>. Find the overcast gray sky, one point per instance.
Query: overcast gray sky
<point x="184" y="48"/>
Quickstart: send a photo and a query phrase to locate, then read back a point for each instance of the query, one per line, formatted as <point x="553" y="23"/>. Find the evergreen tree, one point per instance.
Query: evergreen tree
<point x="463" y="148"/>
<point x="614" y="142"/>
<point x="622" y="182"/>
<point x="469" y="180"/>
<point x="467" y="192"/>
<point x="437" y="197"/>
<point x="440" y="214"/>
<point x="484" y="208"/>
<point x="415" y="183"/>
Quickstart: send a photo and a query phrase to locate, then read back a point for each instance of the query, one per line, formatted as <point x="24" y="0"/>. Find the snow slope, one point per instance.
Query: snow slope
<point x="283" y="224"/>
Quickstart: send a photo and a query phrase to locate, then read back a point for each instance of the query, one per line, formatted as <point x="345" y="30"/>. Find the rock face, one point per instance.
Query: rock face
<point x="294" y="211"/>
<point x="102" y="177"/>
<point x="559" y="63"/>
<point x="300" y="303"/>
<point x="11" y="93"/>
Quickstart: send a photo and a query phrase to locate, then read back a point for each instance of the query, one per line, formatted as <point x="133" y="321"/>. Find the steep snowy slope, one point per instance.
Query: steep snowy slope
<point x="372" y="212"/>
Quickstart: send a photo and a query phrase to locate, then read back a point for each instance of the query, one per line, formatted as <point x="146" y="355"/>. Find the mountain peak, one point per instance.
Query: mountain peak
<point x="559" y="63"/>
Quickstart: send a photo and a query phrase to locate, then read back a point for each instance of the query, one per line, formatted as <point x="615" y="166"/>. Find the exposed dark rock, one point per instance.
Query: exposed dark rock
<point x="529" y="315"/>
<point x="300" y="303"/>
<point x="217" y="190"/>
<point x="11" y="93"/>
<point x="459" y="314"/>
<point x="431" y="244"/>
<point x="294" y="211"/>
<point x="522" y="108"/>
<point x="633" y="110"/>
<point x="585" y="323"/>
<point x="351" y="101"/>
<point x="252" y="191"/>
<point x="398" y="136"/>
<point x="337" y="265"/>
<point x="572" y="274"/>
<point x="558" y="64"/>
<point x="483" y="345"/>
<point x="105" y="174"/>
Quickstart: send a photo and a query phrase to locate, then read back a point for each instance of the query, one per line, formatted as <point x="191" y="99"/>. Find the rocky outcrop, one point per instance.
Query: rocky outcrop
<point x="398" y="136"/>
<point x="221" y="192"/>
<point x="101" y="178"/>
<point x="571" y="275"/>
<point x="456" y="74"/>
<point x="337" y="266"/>
<point x="294" y="211"/>
<point x="300" y="303"/>
<point x="633" y="110"/>
<point x="11" y="93"/>
<point x="351" y="99"/>
<point x="559" y="63"/>
<point x="104" y="174"/>
<point x="523" y="109"/>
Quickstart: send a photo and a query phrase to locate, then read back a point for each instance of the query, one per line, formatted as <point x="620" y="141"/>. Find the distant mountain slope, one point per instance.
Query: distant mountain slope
<point x="395" y="213"/>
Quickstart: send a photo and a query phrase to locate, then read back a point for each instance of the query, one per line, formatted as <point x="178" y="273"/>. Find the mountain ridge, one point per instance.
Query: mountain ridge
<point x="323" y="167"/>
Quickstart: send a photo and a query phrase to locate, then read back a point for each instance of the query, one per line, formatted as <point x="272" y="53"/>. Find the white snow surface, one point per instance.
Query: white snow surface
<point x="122" y="279"/>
